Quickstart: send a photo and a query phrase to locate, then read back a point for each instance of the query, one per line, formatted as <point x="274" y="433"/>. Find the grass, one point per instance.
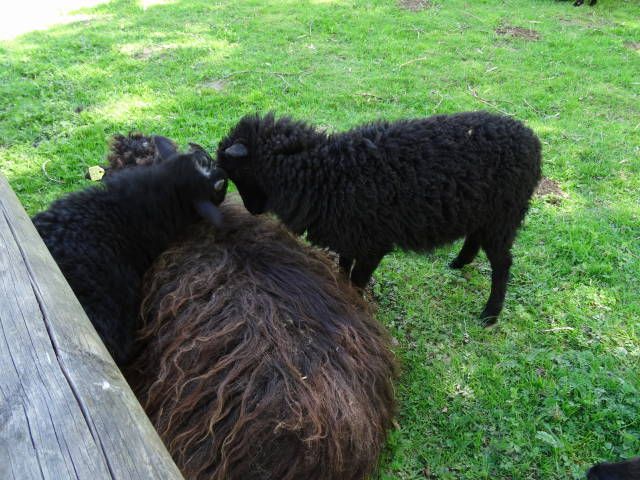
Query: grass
<point x="556" y="385"/>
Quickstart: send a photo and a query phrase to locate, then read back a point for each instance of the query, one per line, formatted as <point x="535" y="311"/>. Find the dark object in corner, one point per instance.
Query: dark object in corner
<point x="627" y="470"/>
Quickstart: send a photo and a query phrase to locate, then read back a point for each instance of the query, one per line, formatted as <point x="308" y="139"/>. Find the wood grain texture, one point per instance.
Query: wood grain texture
<point x="65" y="409"/>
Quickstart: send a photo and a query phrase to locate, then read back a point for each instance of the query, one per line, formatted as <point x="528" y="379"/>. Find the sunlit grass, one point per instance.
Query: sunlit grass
<point x="555" y="386"/>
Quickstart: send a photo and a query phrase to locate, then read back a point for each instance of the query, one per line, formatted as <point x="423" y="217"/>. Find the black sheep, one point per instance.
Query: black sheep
<point x="104" y="238"/>
<point x="412" y="184"/>
<point x="626" y="470"/>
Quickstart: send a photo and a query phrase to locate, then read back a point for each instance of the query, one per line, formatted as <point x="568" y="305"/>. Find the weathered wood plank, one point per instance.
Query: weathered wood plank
<point x="65" y="409"/>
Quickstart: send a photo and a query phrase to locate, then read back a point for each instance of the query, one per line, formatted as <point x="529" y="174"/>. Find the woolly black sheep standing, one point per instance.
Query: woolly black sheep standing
<point x="414" y="184"/>
<point x="626" y="470"/>
<point x="104" y="238"/>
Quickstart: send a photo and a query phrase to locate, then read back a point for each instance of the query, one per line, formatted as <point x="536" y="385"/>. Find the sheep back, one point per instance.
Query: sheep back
<point x="259" y="361"/>
<point x="415" y="184"/>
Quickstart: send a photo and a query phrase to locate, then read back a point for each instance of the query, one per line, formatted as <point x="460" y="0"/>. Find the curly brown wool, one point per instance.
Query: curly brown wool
<point x="259" y="360"/>
<point x="133" y="150"/>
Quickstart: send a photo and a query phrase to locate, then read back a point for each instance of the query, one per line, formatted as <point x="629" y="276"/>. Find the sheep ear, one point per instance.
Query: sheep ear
<point x="165" y="147"/>
<point x="237" y="150"/>
<point x="194" y="147"/>
<point x="202" y="158"/>
<point x="219" y="185"/>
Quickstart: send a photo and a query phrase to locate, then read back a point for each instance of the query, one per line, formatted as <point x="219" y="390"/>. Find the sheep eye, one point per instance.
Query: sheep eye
<point x="219" y="185"/>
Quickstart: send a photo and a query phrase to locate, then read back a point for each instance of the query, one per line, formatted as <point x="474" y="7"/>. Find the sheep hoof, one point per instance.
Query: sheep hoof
<point x="456" y="264"/>
<point x="488" y="320"/>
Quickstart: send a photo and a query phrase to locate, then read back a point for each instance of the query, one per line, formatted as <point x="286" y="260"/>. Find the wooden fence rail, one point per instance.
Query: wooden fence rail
<point x="65" y="409"/>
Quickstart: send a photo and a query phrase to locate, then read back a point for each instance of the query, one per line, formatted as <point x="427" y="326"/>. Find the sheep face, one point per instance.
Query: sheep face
<point x="206" y="185"/>
<point x="193" y="178"/>
<point x="261" y="152"/>
<point x="215" y="179"/>
<point x="235" y="160"/>
<point x="252" y="150"/>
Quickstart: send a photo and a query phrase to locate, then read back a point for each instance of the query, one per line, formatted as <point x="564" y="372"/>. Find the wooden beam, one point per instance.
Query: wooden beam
<point x="65" y="409"/>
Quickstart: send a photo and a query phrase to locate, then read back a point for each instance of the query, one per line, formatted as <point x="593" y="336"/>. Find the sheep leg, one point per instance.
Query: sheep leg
<point x="500" y="258"/>
<point x="345" y="264"/>
<point x="468" y="253"/>
<point x="363" y="269"/>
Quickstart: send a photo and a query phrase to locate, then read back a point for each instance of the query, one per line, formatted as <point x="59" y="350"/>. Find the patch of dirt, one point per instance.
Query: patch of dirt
<point x="590" y="22"/>
<point x="518" y="32"/>
<point x="145" y="53"/>
<point x="217" y="85"/>
<point x="550" y="190"/>
<point x="633" y="45"/>
<point x="415" y="5"/>
<point x="426" y="473"/>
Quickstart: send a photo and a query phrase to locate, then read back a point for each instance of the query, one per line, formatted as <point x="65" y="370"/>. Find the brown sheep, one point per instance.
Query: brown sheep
<point x="259" y="360"/>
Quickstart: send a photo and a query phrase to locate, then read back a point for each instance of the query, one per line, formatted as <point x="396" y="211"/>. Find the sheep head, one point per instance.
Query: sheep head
<point x="237" y="160"/>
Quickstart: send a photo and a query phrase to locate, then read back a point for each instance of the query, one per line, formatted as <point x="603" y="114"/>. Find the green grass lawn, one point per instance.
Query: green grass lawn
<point x="556" y="385"/>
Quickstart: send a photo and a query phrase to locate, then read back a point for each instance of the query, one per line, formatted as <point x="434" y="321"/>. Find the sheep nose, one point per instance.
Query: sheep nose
<point x="218" y="174"/>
